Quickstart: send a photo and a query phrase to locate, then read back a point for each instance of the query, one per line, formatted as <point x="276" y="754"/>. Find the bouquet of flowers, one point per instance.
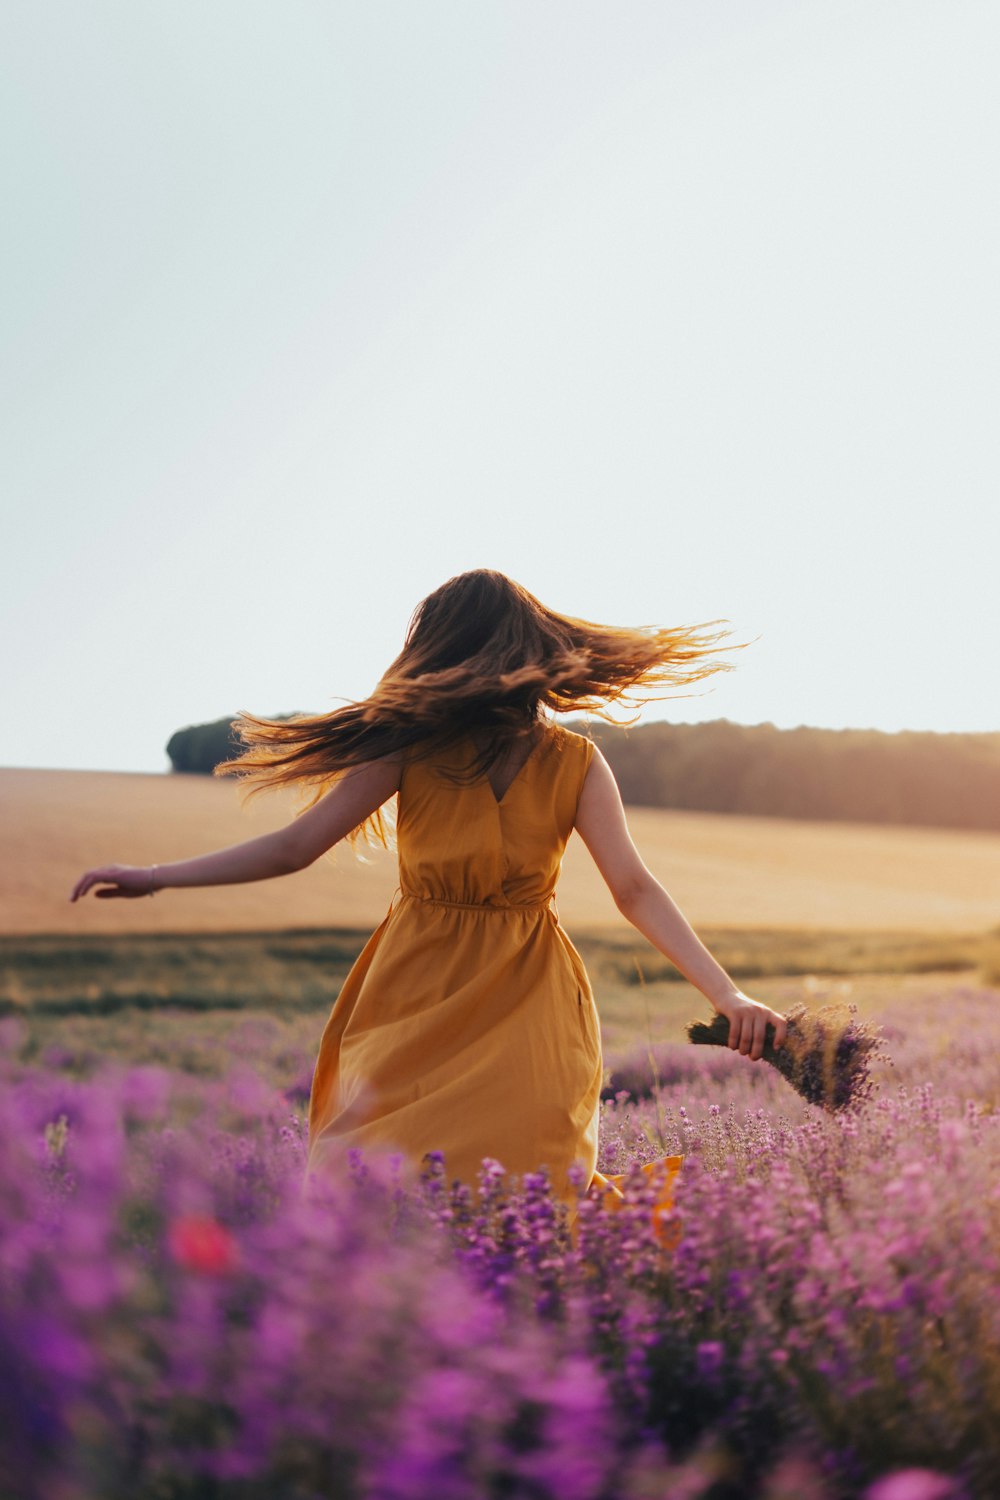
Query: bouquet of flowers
<point x="826" y="1056"/>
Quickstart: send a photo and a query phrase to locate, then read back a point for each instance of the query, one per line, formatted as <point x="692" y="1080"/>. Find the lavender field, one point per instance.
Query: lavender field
<point x="818" y="1317"/>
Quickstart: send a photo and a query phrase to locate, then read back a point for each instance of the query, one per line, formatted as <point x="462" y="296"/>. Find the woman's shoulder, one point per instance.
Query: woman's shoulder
<point x="569" y="742"/>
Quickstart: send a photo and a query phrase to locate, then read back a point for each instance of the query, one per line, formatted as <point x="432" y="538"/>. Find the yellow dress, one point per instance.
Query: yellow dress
<point x="467" y="1024"/>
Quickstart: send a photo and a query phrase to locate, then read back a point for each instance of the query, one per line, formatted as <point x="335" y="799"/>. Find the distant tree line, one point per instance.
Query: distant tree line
<point x="855" y="775"/>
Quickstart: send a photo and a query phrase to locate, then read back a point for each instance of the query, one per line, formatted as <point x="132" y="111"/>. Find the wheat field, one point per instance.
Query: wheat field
<point x="722" y="869"/>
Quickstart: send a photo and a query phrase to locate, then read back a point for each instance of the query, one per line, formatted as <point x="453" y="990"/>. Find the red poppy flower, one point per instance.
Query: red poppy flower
<point x="202" y="1244"/>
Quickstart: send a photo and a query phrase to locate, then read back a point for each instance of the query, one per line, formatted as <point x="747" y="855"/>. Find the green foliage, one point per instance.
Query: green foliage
<point x="989" y="971"/>
<point x="298" y="971"/>
<point x="201" y="747"/>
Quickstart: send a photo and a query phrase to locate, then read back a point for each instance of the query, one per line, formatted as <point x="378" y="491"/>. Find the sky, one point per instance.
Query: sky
<point x="676" y="312"/>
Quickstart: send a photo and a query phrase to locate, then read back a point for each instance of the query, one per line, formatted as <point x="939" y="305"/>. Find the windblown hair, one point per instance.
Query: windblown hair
<point x="480" y="653"/>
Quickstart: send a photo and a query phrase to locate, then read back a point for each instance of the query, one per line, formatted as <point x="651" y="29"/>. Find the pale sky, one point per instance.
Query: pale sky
<point x="672" y="311"/>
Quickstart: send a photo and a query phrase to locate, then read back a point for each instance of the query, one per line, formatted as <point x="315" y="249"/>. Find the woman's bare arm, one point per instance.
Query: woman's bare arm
<point x="640" y="897"/>
<point x="358" y="794"/>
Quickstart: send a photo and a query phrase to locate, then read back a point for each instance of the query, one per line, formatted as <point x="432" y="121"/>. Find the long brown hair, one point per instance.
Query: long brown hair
<point x="480" y="652"/>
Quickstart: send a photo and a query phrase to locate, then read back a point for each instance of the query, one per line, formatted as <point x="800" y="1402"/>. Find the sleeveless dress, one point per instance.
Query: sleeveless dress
<point x="467" y="1024"/>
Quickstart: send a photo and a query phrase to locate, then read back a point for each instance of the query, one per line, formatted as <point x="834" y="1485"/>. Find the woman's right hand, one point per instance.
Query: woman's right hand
<point x="118" y="880"/>
<point x="748" y="1022"/>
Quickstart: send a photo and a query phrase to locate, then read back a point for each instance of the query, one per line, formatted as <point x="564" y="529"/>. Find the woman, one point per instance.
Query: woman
<point x="467" y="1024"/>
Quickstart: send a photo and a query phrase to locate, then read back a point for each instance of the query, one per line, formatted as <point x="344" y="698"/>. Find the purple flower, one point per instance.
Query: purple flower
<point x="914" y="1484"/>
<point x="833" y="1293"/>
<point x="709" y="1357"/>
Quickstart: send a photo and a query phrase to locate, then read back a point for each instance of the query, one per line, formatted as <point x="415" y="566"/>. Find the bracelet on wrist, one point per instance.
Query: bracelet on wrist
<point x="153" y="887"/>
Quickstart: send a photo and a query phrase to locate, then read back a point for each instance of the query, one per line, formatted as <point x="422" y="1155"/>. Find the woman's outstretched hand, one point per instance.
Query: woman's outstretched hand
<point x="117" y="880"/>
<point x="748" y="1022"/>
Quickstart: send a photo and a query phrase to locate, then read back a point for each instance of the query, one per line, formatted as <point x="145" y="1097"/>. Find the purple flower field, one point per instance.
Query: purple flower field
<point x="177" y="1319"/>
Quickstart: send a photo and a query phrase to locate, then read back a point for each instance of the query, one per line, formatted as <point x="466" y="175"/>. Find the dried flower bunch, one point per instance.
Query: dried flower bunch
<point x="826" y="1057"/>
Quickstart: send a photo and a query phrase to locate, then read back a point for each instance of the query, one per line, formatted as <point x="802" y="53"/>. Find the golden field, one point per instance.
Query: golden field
<point x="723" y="870"/>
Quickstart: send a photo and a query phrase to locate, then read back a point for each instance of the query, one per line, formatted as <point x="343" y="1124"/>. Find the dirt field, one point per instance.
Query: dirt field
<point x="722" y="870"/>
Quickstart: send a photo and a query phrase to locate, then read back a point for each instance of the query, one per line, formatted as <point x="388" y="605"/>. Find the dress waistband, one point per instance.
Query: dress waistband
<point x="548" y="904"/>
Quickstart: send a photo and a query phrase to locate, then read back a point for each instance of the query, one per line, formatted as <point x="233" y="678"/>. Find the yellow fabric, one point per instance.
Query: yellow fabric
<point x="664" y="1171"/>
<point x="467" y="1024"/>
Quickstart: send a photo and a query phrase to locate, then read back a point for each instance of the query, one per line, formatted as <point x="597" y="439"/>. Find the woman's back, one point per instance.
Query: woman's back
<point x="462" y="843"/>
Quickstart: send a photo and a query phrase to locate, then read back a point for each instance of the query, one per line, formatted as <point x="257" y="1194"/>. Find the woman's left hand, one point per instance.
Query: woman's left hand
<point x="748" y="1022"/>
<point x="117" y="880"/>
